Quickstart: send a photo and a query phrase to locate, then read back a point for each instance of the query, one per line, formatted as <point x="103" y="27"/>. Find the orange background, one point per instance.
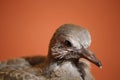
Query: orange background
<point x="26" y="27"/>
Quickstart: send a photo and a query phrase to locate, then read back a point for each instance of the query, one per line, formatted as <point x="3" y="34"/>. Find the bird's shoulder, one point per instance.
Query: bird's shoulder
<point x="21" y="68"/>
<point x="23" y="62"/>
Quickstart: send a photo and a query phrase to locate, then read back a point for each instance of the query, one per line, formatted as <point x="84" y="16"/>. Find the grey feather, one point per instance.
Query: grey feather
<point x="67" y="47"/>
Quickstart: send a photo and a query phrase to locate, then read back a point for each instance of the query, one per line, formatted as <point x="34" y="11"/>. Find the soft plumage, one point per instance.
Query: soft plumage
<point x="69" y="44"/>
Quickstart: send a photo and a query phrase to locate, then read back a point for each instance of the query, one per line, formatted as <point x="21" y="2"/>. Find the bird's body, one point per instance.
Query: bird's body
<point x="67" y="70"/>
<point x="68" y="45"/>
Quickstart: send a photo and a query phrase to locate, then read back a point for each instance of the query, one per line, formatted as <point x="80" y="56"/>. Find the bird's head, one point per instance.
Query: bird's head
<point x="72" y="42"/>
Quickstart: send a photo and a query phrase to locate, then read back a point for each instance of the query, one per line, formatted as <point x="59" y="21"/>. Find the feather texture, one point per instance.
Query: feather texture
<point x="68" y="45"/>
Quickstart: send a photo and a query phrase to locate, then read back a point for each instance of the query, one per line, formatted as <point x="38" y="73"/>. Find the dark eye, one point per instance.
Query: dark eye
<point x="68" y="43"/>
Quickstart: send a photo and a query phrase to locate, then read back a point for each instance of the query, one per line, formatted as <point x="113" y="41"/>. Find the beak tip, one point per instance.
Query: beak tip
<point x="99" y="64"/>
<point x="100" y="67"/>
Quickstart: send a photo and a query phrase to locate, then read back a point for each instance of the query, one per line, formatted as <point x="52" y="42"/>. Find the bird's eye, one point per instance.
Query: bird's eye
<point x="68" y="43"/>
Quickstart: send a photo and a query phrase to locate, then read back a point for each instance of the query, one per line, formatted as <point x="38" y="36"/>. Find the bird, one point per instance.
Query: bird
<point x="68" y="58"/>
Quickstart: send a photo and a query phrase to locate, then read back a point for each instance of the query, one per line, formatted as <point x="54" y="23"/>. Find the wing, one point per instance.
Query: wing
<point x="18" y="63"/>
<point x="35" y="60"/>
<point x="23" y="62"/>
<point x="21" y="68"/>
<point x="12" y="74"/>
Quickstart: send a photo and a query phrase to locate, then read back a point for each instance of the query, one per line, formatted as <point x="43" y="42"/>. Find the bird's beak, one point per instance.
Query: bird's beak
<point x="90" y="56"/>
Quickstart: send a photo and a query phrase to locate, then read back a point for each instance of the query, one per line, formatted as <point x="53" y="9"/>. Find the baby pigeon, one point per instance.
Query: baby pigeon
<point x="67" y="58"/>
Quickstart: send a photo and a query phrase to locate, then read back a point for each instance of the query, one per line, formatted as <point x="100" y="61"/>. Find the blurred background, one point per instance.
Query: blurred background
<point x="26" y="27"/>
